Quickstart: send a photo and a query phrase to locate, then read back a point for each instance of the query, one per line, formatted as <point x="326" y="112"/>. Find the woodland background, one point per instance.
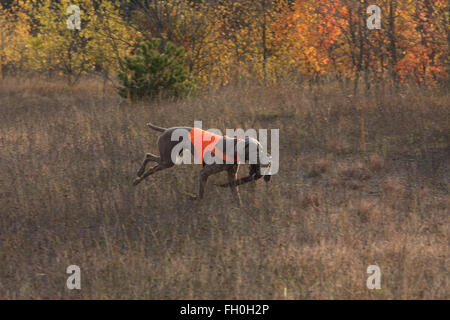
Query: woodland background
<point x="261" y="40"/>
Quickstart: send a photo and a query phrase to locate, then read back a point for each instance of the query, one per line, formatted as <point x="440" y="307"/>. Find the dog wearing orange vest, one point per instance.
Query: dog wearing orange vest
<point x="204" y="144"/>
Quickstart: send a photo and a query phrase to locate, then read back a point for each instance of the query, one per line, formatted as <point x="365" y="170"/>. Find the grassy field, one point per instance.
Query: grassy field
<point x="68" y="157"/>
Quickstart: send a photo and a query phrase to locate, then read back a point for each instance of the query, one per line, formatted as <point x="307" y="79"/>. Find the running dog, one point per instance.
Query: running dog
<point x="203" y="144"/>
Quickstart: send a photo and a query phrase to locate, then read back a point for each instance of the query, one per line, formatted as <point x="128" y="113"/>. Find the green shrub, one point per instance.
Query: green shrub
<point x="152" y="71"/>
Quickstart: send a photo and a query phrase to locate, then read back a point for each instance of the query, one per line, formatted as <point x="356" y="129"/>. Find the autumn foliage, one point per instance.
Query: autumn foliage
<point x="224" y="40"/>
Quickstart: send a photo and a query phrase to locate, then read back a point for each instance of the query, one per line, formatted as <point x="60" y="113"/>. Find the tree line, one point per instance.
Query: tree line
<point x="223" y="40"/>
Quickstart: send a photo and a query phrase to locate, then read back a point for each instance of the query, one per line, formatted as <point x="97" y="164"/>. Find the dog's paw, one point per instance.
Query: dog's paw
<point x="136" y="181"/>
<point x="223" y="185"/>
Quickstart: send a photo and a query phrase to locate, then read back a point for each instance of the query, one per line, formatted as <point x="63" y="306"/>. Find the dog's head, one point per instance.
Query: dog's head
<point x="257" y="157"/>
<point x="265" y="168"/>
<point x="264" y="162"/>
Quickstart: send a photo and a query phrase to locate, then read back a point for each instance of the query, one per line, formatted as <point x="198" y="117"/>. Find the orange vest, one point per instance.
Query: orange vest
<point x="206" y="142"/>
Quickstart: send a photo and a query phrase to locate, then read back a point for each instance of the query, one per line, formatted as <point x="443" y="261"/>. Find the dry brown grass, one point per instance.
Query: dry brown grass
<point x="68" y="157"/>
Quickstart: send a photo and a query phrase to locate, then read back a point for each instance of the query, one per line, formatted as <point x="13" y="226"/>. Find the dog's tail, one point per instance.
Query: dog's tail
<point x="156" y="127"/>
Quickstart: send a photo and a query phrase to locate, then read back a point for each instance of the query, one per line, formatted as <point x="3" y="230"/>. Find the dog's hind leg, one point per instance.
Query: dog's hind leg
<point x="148" y="157"/>
<point x="150" y="171"/>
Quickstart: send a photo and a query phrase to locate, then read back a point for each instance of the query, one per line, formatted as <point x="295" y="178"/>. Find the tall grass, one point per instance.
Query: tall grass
<point x="68" y="157"/>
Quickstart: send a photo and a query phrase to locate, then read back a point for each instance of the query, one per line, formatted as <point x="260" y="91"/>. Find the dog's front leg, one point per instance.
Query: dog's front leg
<point x="232" y="176"/>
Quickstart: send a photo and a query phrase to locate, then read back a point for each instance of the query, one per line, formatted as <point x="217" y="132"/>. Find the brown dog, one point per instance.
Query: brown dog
<point x="166" y="146"/>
